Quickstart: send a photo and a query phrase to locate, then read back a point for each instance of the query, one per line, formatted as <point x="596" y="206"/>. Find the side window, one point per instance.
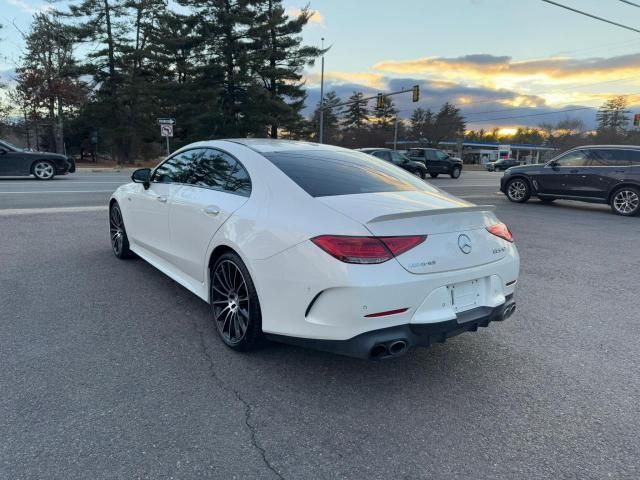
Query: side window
<point x="634" y="156"/>
<point x="239" y="181"/>
<point x="178" y="168"/>
<point x="602" y="157"/>
<point x="384" y="155"/>
<point x="397" y="158"/>
<point x="440" y="155"/>
<point x="213" y="169"/>
<point x="573" y="159"/>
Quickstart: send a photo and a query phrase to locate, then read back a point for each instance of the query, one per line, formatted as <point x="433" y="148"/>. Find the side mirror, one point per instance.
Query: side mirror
<point x="3" y="152"/>
<point x="553" y="164"/>
<point x="143" y="176"/>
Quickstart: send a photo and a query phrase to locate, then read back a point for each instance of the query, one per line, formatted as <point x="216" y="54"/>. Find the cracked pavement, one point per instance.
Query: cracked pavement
<point x="109" y="370"/>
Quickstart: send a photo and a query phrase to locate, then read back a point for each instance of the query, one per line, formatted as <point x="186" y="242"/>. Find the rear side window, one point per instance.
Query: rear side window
<point x="602" y="157"/>
<point x="178" y="168"/>
<point x="220" y="171"/>
<point x="239" y="181"/>
<point x="212" y="169"/>
<point x="328" y="173"/>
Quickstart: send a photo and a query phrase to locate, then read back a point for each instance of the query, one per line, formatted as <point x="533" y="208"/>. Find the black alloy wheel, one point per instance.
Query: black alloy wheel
<point x="117" y="233"/>
<point x="235" y="305"/>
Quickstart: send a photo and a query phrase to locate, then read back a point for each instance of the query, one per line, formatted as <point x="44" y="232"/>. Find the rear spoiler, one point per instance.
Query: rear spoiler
<point x="428" y="213"/>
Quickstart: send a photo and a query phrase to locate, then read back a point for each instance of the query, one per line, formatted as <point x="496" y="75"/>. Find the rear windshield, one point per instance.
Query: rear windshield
<point x="327" y="173"/>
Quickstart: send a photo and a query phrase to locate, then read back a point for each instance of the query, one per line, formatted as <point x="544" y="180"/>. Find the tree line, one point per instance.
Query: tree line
<point x="100" y="72"/>
<point x="105" y="70"/>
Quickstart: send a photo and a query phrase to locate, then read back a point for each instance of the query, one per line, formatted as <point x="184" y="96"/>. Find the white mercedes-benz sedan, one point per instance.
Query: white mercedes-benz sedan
<point x="317" y="246"/>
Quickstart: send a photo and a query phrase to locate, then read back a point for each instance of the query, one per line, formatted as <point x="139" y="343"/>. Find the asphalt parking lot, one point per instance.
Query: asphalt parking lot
<point x="112" y="370"/>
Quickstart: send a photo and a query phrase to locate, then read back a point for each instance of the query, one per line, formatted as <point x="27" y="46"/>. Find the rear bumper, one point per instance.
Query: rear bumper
<point x="376" y="344"/>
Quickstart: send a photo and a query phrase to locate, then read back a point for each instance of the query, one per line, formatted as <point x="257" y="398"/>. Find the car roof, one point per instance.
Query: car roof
<point x="267" y="145"/>
<point x="627" y="147"/>
<point x="371" y="149"/>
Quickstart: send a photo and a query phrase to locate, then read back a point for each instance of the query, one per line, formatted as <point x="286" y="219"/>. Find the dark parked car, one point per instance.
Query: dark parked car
<point x="437" y="161"/>
<point x="417" y="168"/>
<point x="598" y="174"/>
<point x="15" y="162"/>
<point x="502" y="164"/>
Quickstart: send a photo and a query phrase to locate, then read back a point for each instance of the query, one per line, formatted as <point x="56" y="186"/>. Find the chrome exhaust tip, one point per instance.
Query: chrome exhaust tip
<point x="509" y="310"/>
<point x="398" y="347"/>
<point x="379" y="351"/>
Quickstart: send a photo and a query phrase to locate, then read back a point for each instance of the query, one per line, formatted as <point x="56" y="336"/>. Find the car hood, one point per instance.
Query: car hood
<point x="52" y="156"/>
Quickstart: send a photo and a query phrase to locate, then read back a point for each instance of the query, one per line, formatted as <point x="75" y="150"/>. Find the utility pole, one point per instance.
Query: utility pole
<point x="395" y="135"/>
<point x="321" y="135"/>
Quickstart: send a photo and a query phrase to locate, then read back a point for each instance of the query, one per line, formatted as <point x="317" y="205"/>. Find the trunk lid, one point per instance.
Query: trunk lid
<point x="456" y="230"/>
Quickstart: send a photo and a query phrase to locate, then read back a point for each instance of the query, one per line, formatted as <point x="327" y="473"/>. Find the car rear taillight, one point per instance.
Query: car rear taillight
<point x="501" y="230"/>
<point x="366" y="250"/>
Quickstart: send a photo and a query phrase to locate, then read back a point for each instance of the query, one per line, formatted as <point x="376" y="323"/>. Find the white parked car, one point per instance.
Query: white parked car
<point x="318" y="246"/>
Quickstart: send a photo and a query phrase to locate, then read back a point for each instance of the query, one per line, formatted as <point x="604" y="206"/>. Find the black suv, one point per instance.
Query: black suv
<point x="437" y="161"/>
<point x="417" y="168"/>
<point x="599" y="174"/>
<point x="502" y="164"/>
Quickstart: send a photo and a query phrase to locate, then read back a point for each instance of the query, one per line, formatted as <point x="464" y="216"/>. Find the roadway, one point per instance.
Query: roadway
<point x="88" y="188"/>
<point x="112" y="370"/>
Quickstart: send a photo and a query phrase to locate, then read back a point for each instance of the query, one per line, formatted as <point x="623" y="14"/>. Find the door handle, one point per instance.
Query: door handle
<point x="211" y="210"/>
<point x="161" y="199"/>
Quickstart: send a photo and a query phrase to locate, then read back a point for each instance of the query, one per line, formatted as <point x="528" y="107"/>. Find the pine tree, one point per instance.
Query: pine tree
<point x="418" y="122"/>
<point x="357" y="114"/>
<point x="48" y="76"/>
<point x="278" y="59"/>
<point x="385" y="114"/>
<point x="331" y="118"/>
<point x="613" y="118"/>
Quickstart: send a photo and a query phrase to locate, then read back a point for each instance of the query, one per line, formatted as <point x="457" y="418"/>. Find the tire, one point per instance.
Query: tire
<point x="234" y="304"/>
<point x="118" y="234"/>
<point x="420" y="173"/>
<point x="626" y="201"/>
<point x="43" y="170"/>
<point x="455" y="172"/>
<point x="518" y="190"/>
<point x="434" y="175"/>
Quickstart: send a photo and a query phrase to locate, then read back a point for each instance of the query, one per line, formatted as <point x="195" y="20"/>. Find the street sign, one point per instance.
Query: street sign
<point x="636" y="120"/>
<point x="166" y="121"/>
<point x="166" y="130"/>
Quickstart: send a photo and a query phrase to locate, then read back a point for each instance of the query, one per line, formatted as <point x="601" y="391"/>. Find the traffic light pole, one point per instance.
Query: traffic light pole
<point x="415" y="90"/>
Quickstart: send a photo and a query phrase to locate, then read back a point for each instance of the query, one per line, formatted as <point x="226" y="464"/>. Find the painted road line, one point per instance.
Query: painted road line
<point x="56" y="191"/>
<point x="33" y="211"/>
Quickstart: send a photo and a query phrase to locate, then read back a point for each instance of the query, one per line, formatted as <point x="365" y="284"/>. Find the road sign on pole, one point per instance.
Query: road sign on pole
<point x="166" y="121"/>
<point x="166" y="130"/>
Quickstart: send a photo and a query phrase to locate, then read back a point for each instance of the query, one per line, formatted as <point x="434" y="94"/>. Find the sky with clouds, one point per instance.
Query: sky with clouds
<point x="496" y="59"/>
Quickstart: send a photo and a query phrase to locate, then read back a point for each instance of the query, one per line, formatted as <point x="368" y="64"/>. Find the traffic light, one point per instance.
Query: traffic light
<point x="636" y="120"/>
<point x="416" y="93"/>
<point x="380" y="101"/>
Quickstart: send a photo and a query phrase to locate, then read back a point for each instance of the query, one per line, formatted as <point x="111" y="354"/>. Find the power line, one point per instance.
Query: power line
<point x="591" y="16"/>
<point x="630" y="3"/>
